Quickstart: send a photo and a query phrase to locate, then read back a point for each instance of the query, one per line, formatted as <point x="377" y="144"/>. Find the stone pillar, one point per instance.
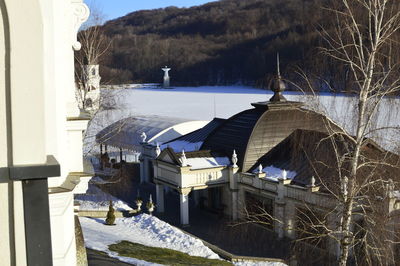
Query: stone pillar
<point x="160" y="198"/>
<point x="184" y="206"/>
<point x="146" y="169"/>
<point x="290" y="220"/>
<point x="142" y="169"/>
<point x="280" y="206"/>
<point x="233" y="186"/>
<point x="235" y="210"/>
<point x="279" y="211"/>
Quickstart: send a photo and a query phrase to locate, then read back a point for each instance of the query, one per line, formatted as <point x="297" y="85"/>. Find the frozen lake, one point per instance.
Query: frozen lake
<point x="207" y="102"/>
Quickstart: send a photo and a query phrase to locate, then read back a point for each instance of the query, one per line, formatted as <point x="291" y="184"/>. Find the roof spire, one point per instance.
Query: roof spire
<point x="277" y="85"/>
<point x="277" y="65"/>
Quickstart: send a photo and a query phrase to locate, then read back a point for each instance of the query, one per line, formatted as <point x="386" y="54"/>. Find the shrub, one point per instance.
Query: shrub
<point x="110" y="215"/>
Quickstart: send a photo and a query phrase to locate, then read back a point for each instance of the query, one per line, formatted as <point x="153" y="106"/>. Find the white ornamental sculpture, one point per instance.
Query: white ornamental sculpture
<point x="260" y="169"/>
<point x="166" y="76"/>
<point x="80" y="13"/>
<point x="150" y="205"/>
<point x="183" y="159"/>
<point x="312" y="183"/>
<point x="158" y="150"/>
<point x="284" y="175"/>
<point x="144" y="137"/>
<point x="234" y="159"/>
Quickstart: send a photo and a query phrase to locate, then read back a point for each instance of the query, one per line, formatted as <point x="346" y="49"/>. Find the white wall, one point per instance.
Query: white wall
<point x="36" y="98"/>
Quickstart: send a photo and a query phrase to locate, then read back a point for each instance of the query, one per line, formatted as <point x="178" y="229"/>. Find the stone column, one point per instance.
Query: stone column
<point x="234" y="193"/>
<point x="233" y="186"/>
<point x="160" y="198"/>
<point x="142" y="169"/>
<point x="184" y="206"/>
<point x="290" y="220"/>
<point x="279" y="207"/>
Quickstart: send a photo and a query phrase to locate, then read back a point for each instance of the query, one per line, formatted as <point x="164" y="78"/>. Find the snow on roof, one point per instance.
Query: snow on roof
<point x="193" y="140"/>
<point x="126" y="133"/>
<point x="207" y="162"/>
<point x="179" y="145"/>
<point x="274" y="173"/>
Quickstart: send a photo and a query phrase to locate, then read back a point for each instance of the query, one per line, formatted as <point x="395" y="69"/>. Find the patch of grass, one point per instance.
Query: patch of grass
<point x="99" y="252"/>
<point x="161" y="255"/>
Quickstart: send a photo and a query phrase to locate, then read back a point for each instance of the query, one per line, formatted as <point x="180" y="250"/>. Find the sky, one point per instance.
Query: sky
<point x="117" y="8"/>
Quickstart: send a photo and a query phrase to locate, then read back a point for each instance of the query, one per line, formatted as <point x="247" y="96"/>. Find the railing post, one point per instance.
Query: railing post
<point x="36" y="208"/>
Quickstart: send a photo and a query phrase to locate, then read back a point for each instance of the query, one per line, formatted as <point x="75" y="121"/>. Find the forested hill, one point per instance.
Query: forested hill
<point x="221" y="42"/>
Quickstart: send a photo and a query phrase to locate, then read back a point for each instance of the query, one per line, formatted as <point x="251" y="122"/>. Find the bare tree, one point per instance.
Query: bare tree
<point x="363" y="38"/>
<point x="94" y="45"/>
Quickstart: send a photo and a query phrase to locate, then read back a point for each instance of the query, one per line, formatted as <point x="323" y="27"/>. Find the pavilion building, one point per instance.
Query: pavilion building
<point x="277" y="154"/>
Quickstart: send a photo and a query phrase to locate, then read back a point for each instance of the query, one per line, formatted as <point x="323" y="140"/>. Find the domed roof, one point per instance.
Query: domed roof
<point x="254" y="132"/>
<point x="127" y="133"/>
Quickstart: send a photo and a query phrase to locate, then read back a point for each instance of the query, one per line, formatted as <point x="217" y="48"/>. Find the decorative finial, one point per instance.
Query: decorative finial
<point x="277" y="85"/>
<point x="260" y="169"/>
<point x="143" y="136"/>
<point x="150" y="205"/>
<point x="312" y="181"/>
<point x="158" y="150"/>
<point x="284" y="175"/>
<point x="183" y="158"/>
<point x="234" y="159"/>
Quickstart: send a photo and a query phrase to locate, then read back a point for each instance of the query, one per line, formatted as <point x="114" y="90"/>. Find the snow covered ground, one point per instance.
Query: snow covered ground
<point x="207" y="102"/>
<point x="150" y="231"/>
<point x="143" y="229"/>
<point x="97" y="200"/>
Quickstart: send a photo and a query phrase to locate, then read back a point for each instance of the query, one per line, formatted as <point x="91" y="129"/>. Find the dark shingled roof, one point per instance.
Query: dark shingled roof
<point x="254" y="132"/>
<point x="201" y="134"/>
<point x="234" y="133"/>
<point x="200" y="154"/>
<point x="311" y="153"/>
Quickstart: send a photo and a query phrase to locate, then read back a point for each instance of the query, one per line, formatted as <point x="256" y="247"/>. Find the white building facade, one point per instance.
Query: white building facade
<point x="43" y="131"/>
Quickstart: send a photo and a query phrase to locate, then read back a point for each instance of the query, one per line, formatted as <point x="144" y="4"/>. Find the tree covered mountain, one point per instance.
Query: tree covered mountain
<point x="223" y="42"/>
